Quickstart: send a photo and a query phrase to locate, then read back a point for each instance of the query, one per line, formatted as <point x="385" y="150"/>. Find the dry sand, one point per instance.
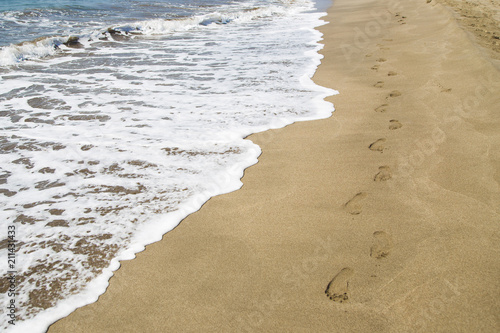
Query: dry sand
<point x="383" y="218"/>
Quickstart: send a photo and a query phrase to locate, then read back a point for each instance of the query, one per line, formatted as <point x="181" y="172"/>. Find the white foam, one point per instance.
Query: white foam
<point x="38" y="49"/>
<point x="160" y="26"/>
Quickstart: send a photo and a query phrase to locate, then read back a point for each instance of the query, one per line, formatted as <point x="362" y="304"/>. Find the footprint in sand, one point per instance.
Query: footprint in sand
<point x="395" y="124"/>
<point x="338" y="288"/>
<point x="383" y="174"/>
<point x="443" y="89"/>
<point x="382" y="108"/>
<point x="392" y="73"/>
<point x="382" y="47"/>
<point x="381" y="60"/>
<point x="395" y="93"/>
<point x="402" y="19"/>
<point x="378" y="145"/>
<point x="382" y="245"/>
<point x="354" y="206"/>
<point x="379" y="84"/>
<point x="375" y="67"/>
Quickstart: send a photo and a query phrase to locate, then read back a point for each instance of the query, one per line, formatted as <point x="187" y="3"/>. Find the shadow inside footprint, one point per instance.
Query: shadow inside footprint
<point x="378" y="145"/>
<point x="382" y="108"/>
<point x="354" y="206"/>
<point x="338" y="288"/>
<point x="383" y="174"/>
<point x="382" y="245"/>
<point x="395" y="93"/>
<point x="395" y="124"/>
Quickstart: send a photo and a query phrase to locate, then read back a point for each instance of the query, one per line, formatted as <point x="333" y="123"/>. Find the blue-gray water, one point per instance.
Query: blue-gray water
<point x="22" y="21"/>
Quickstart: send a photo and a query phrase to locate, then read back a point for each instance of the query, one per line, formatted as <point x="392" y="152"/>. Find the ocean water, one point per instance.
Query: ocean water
<point x="120" y="118"/>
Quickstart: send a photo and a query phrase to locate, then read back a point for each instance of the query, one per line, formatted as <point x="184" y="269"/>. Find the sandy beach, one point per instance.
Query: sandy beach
<point x="383" y="218"/>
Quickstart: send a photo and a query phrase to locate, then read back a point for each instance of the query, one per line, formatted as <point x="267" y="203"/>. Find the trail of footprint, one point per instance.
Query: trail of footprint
<point x="354" y="206"/>
<point x="378" y="145"/>
<point x="379" y="84"/>
<point x="383" y="174"/>
<point x="382" y="108"/>
<point x="338" y="288"/>
<point x="382" y="245"/>
<point x="395" y="124"/>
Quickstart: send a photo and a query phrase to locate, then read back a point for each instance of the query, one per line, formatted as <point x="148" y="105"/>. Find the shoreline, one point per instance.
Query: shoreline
<point x="390" y="206"/>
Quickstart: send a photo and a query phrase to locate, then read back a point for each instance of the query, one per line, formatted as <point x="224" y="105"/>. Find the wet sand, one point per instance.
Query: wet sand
<point x="383" y="218"/>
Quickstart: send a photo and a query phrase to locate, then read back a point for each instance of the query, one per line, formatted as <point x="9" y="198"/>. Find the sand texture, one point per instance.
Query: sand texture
<point x="383" y="218"/>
